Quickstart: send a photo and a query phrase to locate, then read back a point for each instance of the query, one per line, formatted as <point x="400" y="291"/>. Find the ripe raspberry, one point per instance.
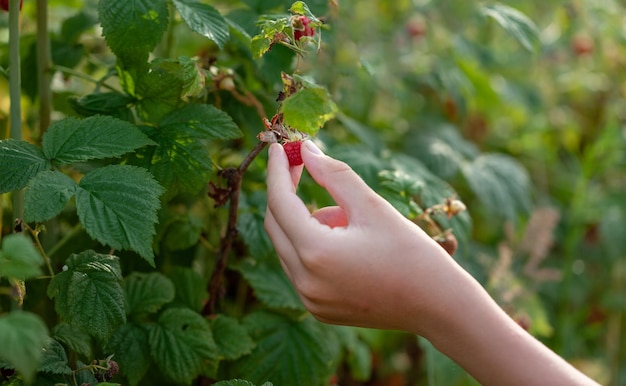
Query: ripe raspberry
<point x="304" y="30"/>
<point x="293" y="152"/>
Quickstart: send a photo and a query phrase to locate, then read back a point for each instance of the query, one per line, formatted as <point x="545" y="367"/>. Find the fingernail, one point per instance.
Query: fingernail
<point x="312" y="147"/>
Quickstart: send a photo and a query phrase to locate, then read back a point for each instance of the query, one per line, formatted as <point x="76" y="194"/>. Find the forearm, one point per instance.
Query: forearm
<point x="474" y="331"/>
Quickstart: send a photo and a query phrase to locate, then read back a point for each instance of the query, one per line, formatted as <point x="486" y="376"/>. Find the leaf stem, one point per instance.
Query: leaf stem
<point x="35" y="234"/>
<point x="83" y="76"/>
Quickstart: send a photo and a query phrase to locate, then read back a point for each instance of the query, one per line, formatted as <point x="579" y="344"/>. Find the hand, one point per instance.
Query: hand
<point x="362" y="263"/>
<point x="359" y="263"/>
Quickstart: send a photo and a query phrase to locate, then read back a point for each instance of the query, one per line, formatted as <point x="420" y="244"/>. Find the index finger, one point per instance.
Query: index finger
<point x="290" y="213"/>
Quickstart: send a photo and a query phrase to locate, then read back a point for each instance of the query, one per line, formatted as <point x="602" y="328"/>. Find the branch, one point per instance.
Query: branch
<point x="233" y="176"/>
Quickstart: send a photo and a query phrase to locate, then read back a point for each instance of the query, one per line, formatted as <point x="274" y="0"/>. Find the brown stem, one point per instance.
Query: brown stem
<point x="233" y="177"/>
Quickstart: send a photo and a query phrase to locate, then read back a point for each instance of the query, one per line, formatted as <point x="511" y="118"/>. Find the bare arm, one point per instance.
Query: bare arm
<point x="362" y="263"/>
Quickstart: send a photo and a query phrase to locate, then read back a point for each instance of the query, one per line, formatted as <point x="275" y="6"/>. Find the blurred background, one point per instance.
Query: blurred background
<point x="517" y="108"/>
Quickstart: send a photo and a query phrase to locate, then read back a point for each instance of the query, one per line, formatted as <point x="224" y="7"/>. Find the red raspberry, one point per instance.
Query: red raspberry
<point x="4" y="5"/>
<point x="306" y="29"/>
<point x="293" y="152"/>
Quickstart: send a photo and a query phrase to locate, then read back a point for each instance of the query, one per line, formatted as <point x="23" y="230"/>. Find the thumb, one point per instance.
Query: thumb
<point x="348" y="190"/>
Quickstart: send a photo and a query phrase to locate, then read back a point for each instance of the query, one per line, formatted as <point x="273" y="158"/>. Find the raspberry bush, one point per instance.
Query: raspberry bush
<point x="132" y="172"/>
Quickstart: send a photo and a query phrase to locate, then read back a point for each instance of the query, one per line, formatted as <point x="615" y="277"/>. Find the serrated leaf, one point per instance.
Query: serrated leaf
<point x="147" y="292"/>
<point x="308" y="109"/>
<point x="54" y="360"/>
<point x="77" y="339"/>
<point x="46" y="195"/>
<point x="105" y="103"/>
<point x="205" y="20"/>
<point x="22" y="337"/>
<point x="19" y="258"/>
<point x="269" y="28"/>
<point x="158" y="91"/>
<point x="74" y="140"/>
<point x="518" y="25"/>
<point x="250" y="224"/>
<point x="117" y="205"/>
<point x="192" y="77"/>
<point x="190" y="288"/>
<point x="270" y="283"/>
<point x="133" y="28"/>
<point x="203" y="122"/>
<point x="20" y="162"/>
<point x="88" y="294"/>
<point x="181" y="160"/>
<point x="231" y="338"/>
<point x="182" y="342"/>
<point x="288" y="352"/>
<point x="500" y="183"/>
<point x="130" y="347"/>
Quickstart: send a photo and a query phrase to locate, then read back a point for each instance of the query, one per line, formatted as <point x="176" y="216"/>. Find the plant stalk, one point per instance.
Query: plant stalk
<point x="44" y="61"/>
<point x="15" y="91"/>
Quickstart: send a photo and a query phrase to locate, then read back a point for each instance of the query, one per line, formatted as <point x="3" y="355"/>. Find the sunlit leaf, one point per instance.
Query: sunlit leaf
<point x="205" y="20"/>
<point x="133" y="28"/>
<point x="515" y="23"/>
<point x="308" y="109"/>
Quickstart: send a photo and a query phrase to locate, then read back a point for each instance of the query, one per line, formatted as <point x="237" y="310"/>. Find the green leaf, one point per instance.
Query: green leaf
<point x="288" y="352"/>
<point x="54" y="360"/>
<point x="308" y="109"/>
<point x="88" y="293"/>
<point x="22" y="337"/>
<point x="190" y="287"/>
<point x="231" y="338"/>
<point x="515" y="23"/>
<point x="181" y="160"/>
<point x="19" y="258"/>
<point x="77" y="339"/>
<point x="270" y="27"/>
<point x="131" y="351"/>
<point x="181" y="343"/>
<point x="105" y="103"/>
<point x="20" y="162"/>
<point x="159" y="91"/>
<point x="187" y="70"/>
<point x="74" y="140"/>
<point x="46" y="195"/>
<point x="133" y="28"/>
<point x="205" y="20"/>
<point x="147" y="292"/>
<point x="117" y="205"/>
<point x="74" y="26"/>
<point x="203" y="122"/>
<point x="270" y="283"/>
<point x="179" y="233"/>
<point x="250" y="224"/>
<point x="500" y="183"/>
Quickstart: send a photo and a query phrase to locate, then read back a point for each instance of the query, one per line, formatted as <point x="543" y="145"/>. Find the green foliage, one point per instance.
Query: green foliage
<point x="145" y="197"/>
